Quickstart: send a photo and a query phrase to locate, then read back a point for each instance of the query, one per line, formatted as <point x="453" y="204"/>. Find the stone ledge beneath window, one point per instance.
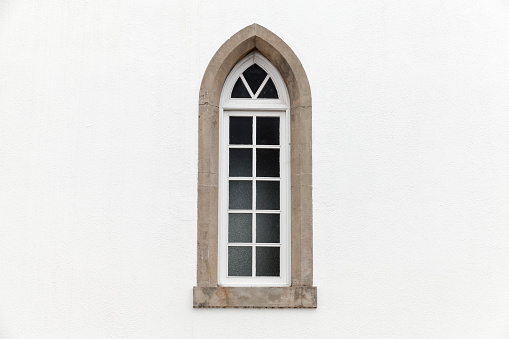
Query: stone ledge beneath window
<point x="255" y="297"/>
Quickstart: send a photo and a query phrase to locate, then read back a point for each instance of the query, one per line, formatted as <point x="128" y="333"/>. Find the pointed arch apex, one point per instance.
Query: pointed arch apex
<point x="255" y="37"/>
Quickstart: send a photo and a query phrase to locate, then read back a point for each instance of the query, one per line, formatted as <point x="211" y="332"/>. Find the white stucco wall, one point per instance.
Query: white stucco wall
<point x="98" y="167"/>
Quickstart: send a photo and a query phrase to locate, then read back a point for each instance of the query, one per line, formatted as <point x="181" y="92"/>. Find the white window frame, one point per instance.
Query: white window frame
<point x="255" y="107"/>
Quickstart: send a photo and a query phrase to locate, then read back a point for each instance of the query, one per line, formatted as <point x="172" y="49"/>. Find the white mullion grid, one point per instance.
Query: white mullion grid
<point x="284" y="244"/>
<point x="251" y="107"/>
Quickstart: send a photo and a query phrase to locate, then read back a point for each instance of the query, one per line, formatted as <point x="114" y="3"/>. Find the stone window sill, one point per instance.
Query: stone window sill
<point x="255" y="297"/>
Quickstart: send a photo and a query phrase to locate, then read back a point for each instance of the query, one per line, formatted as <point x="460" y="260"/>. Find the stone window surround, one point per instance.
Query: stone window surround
<point x="301" y="293"/>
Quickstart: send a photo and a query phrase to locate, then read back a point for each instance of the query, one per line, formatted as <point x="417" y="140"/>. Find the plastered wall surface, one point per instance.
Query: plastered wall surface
<point x="98" y="167"/>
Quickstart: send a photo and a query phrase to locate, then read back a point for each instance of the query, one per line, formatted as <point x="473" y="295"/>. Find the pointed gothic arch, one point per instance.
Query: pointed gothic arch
<point x="301" y="293"/>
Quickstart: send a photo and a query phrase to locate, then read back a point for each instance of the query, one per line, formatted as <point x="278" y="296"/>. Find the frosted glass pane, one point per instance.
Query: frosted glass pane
<point x="267" y="228"/>
<point x="267" y="261"/>
<point x="239" y="90"/>
<point x="267" y="163"/>
<point x="241" y="195"/>
<point x="269" y="91"/>
<point x="267" y="195"/>
<point x="241" y="130"/>
<point x="239" y="227"/>
<point x="241" y="162"/>
<point x="240" y="261"/>
<point x="254" y="76"/>
<point x="267" y="131"/>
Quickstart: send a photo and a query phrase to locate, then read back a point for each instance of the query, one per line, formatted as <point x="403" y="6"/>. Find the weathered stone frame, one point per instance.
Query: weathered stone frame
<point x="301" y="293"/>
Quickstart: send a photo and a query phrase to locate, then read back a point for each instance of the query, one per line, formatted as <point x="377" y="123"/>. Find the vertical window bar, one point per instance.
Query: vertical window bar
<point x="253" y="172"/>
<point x="227" y="190"/>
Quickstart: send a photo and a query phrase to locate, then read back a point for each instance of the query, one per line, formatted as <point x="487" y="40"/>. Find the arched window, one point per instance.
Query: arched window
<point x="255" y="224"/>
<point x="254" y="234"/>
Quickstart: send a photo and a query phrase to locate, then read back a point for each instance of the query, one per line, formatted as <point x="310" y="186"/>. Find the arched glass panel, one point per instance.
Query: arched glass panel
<point x="254" y="76"/>
<point x="254" y="83"/>
<point x="240" y="90"/>
<point x="269" y="91"/>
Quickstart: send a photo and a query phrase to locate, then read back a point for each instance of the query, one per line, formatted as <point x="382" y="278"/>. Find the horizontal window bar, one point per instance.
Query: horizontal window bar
<point x="255" y="211"/>
<point x="258" y="244"/>
<point x="240" y="146"/>
<point x="256" y="178"/>
<point x="255" y="146"/>
<point x="268" y="105"/>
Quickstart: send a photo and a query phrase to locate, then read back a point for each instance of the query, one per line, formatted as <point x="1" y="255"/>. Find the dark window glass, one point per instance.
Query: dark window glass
<point x="267" y="131"/>
<point x="241" y="162"/>
<point x="240" y="261"/>
<point x="269" y="91"/>
<point x="267" y="163"/>
<point x="267" y="228"/>
<point x="239" y="90"/>
<point x="267" y="195"/>
<point x="239" y="227"/>
<point x="241" y="195"/>
<point x="241" y="130"/>
<point x="254" y="76"/>
<point x="267" y="261"/>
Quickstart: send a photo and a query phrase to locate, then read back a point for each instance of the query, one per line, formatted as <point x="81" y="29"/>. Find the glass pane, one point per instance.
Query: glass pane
<point x="267" y="163"/>
<point x="240" y="261"/>
<point x="241" y="195"/>
<point x="269" y="91"/>
<point x="241" y="130"/>
<point x="241" y="162"/>
<point x="239" y="227"/>
<point x="267" y="261"/>
<point x="267" y="195"/>
<point x="267" y="228"/>
<point x="267" y="131"/>
<point x="254" y="76"/>
<point x="239" y="90"/>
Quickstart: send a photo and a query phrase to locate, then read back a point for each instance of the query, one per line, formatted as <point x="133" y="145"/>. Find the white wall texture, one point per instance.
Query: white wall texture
<point x="98" y="167"/>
